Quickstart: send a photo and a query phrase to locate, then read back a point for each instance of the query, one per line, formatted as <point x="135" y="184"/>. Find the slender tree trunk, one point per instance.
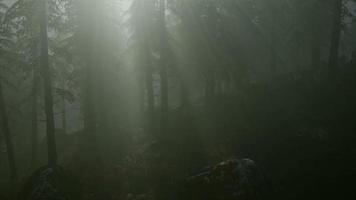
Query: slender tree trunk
<point x="163" y="69"/>
<point x="8" y="140"/>
<point x="164" y="100"/>
<point x="185" y="100"/>
<point x="48" y="98"/>
<point x="140" y="77"/>
<point x="34" y="128"/>
<point x="89" y="105"/>
<point x="90" y="144"/>
<point x="64" y="108"/>
<point x="88" y="17"/>
<point x="299" y="49"/>
<point x="210" y="88"/>
<point x="149" y="90"/>
<point x="316" y="53"/>
<point x="335" y="40"/>
<point x="64" y="115"/>
<point x="149" y="81"/>
<point x="273" y="52"/>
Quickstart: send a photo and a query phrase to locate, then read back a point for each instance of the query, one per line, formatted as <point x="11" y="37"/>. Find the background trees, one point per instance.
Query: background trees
<point x="161" y="87"/>
<point x="5" y="49"/>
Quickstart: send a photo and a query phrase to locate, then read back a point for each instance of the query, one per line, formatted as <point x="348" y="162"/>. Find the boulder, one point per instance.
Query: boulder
<point x="231" y="179"/>
<point x="48" y="183"/>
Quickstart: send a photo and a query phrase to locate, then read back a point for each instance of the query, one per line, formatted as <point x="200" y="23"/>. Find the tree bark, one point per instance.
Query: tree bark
<point x="64" y="108"/>
<point x="89" y="14"/>
<point x="163" y="69"/>
<point x="89" y="105"/>
<point x="335" y="40"/>
<point x="210" y="88"/>
<point x="7" y="135"/>
<point x="149" y="89"/>
<point x="299" y="54"/>
<point x="149" y="81"/>
<point x="185" y="100"/>
<point x="47" y="83"/>
<point x="316" y="53"/>
<point x="64" y="115"/>
<point x="273" y="52"/>
<point x="34" y="125"/>
<point x="164" y="100"/>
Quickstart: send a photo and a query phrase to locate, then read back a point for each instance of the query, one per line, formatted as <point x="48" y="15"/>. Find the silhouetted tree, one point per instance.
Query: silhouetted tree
<point x="5" y="51"/>
<point x="34" y="120"/>
<point x="335" y="39"/>
<point x="163" y="71"/>
<point x="47" y="84"/>
<point x="8" y="139"/>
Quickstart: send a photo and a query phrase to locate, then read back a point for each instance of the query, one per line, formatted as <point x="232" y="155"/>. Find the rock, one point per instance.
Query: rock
<point x="230" y="179"/>
<point x="147" y="196"/>
<point x="48" y="183"/>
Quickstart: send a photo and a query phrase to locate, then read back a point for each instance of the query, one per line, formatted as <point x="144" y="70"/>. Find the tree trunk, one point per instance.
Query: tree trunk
<point x="64" y="115"/>
<point x="335" y="40"/>
<point x="149" y="89"/>
<point x="64" y="108"/>
<point x="185" y="100"/>
<point x="273" y="52"/>
<point x="90" y="120"/>
<point x="48" y="98"/>
<point x="299" y="54"/>
<point x="7" y="135"/>
<point x="164" y="100"/>
<point x="89" y="105"/>
<point x="88" y="16"/>
<point x="140" y="78"/>
<point x="149" y="81"/>
<point x="316" y="53"/>
<point x="210" y="88"/>
<point x="163" y="69"/>
<point x="34" y="125"/>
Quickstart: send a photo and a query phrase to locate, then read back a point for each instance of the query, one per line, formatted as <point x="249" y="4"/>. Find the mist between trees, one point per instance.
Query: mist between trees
<point x="130" y="97"/>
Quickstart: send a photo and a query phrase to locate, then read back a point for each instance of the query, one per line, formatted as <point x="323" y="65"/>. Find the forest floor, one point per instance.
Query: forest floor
<point x="297" y="168"/>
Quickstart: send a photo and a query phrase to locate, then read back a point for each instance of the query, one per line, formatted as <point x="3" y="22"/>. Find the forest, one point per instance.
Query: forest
<point x="177" y="99"/>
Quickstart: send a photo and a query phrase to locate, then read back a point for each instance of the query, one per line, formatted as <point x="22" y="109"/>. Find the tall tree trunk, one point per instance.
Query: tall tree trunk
<point x="299" y="49"/>
<point x="149" y="89"/>
<point x="89" y="14"/>
<point x="164" y="100"/>
<point x="273" y="52"/>
<point x="64" y="108"/>
<point x="140" y="78"/>
<point x="34" y="128"/>
<point x="89" y="105"/>
<point x="48" y="98"/>
<point x="7" y="134"/>
<point x="335" y="40"/>
<point x="210" y="88"/>
<point x="316" y="53"/>
<point x="185" y="100"/>
<point x="163" y="69"/>
<point x="64" y="115"/>
<point x="149" y="79"/>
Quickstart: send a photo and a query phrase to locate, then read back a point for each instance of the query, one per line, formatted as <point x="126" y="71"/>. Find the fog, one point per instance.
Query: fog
<point x="177" y="99"/>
